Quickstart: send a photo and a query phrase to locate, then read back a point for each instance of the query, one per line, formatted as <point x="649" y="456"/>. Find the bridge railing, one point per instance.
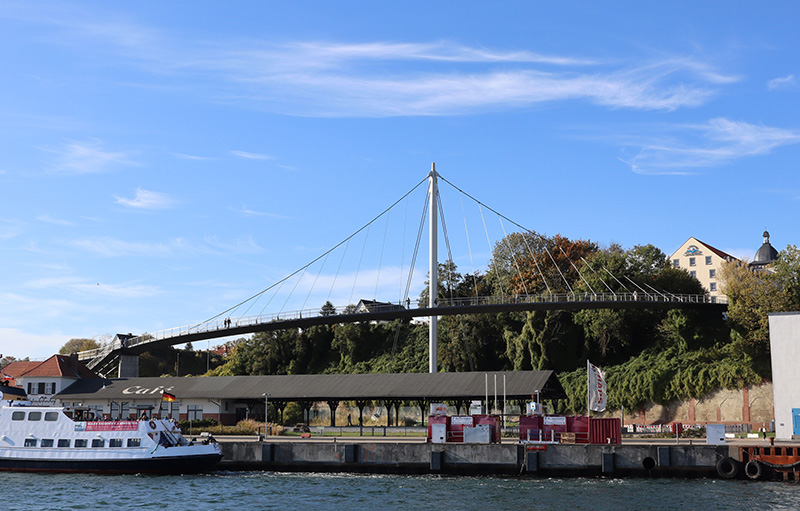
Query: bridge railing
<point x="222" y="324"/>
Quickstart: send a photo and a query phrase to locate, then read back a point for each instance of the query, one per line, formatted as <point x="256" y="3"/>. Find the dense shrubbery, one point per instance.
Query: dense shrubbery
<point x="649" y="355"/>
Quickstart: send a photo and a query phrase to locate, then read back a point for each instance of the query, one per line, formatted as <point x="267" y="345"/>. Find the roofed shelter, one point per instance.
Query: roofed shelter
<point x="221" y="397"/>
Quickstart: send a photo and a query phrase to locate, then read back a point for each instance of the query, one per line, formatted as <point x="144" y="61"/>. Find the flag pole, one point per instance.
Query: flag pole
<point x="588" y="385"/>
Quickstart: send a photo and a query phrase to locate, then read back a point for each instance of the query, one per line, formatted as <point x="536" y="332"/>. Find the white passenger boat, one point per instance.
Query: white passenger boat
<point x="56" y="439"/>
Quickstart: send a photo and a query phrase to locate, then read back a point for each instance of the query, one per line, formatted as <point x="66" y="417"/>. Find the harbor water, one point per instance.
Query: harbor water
<point x="269" y="490"/>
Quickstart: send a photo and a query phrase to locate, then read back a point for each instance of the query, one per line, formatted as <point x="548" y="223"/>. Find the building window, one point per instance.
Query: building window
<point x="31" y="388"/>
<point x="693" y="274"/>
<point x="713" y="286"/>
<point x="194" y="412"/>
<point x="712" y="273"/>
<point x="692" y="261"/>
<point x="30" y="442"/>
<point x="51" y="388"/>
<point x="63" y="442"/>
<point x="41" y="387"/>
<point x="676" y="263"/>
<point x="708" y="260"/>
<point x="47" y="442"/>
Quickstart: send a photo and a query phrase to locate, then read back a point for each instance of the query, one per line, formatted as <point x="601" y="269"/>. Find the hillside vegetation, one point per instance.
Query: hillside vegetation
<point x="649" y="355"/>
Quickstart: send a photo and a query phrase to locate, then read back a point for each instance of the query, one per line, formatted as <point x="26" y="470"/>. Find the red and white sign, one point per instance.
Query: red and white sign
<point x="112" y="426"/>
<point x="597" y="388"/>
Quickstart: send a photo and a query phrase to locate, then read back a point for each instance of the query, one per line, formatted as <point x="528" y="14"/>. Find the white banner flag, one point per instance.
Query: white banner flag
<point x="597" y="388"/>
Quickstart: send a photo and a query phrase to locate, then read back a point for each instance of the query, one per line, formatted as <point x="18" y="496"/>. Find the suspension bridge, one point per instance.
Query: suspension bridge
<point x="552" y="289"/>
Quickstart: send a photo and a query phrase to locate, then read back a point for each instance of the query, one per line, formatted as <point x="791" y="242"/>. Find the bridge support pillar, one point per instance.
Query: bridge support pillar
<point x="129" y="366"/>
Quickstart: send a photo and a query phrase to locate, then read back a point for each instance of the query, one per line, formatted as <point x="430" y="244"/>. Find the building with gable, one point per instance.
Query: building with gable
<point x="43" y="380"/>
<point x="703" y="262"/>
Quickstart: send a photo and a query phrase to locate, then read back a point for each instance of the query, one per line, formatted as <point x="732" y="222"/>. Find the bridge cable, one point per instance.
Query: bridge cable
<point x="535" y="261"/>
<point x="311" y="289"/>
<point x="410" y="275"/>
<point x="469" y="248"/>
<point x="358" y="268"/>
<point x="599" y="277"/>
<point x="513" y="257"/>
<point x="559" y="269"/>
<point x="618" y="281"/>
<point x="424" y="180"/>
<point x="577" y="270"/>
<point x="446" y="242"/>
<point x="338" y="269"/>
<point x="496" y="268"/>
<point x="380" y="261"/>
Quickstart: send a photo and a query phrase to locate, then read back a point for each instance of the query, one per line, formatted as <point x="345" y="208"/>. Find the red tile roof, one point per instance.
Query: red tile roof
<point x="55" y="366"/>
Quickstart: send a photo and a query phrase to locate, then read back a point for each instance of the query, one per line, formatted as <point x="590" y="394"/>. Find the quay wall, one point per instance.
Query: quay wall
<point x="476" y="459"/>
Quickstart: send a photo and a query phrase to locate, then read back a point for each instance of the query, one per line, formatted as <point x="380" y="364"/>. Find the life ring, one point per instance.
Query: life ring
<point x="728" y="468"/>
<point x="753" y="469"/>
<point x="152" y="425"/>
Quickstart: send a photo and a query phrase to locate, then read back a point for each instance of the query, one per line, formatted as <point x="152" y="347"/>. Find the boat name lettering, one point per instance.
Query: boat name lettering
<point x="112" y="426"/>
<point x="137" y="389"/>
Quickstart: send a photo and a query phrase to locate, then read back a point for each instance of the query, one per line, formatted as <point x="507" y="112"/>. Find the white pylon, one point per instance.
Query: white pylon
<point x="433" y="269"/>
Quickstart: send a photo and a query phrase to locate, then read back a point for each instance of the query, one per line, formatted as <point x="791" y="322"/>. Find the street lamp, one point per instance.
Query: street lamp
<point x="266" y="412"/>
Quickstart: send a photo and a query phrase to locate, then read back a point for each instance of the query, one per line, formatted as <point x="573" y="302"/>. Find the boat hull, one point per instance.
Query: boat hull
<point x="160" y="465"/>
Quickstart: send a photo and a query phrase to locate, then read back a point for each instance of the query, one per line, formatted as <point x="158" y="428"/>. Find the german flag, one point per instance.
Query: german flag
<point x="166" y="396"/>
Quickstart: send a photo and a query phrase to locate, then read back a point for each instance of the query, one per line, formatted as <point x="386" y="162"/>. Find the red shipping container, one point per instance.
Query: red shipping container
<point x="603" y="431"/>
<point x="529" y="427"/>
<point x="579" y="425"/>
<point x="437" y="419"/>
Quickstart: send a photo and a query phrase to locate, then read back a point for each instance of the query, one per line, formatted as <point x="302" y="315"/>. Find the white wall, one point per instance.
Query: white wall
<point x="784" y="340"/>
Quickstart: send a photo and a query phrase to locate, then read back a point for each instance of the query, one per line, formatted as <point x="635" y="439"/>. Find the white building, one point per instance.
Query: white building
<point x="784" y="342"/>
<point x="703" y="262"/>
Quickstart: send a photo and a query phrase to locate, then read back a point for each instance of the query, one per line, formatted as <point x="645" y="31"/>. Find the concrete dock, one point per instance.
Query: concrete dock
<point x="407" y="456"/>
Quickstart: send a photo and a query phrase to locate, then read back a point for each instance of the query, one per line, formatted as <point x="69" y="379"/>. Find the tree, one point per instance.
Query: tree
<point x="78" y="344"/>
<point x="328" y="309"/>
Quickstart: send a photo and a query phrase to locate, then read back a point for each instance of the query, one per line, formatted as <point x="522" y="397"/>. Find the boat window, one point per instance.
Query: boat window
<point x="80" y="442"/>
<point x="63" y="442"/>
<point x="115" y="442"/>
<point x="50" y="416"/>
<point x="98" y="442"/>
<point x="35" y="416"/>
<point x="134" y="442"/>
<point x="47" y="442"/>
<point x="30" y="442"/>
<point x="18" y="416"/>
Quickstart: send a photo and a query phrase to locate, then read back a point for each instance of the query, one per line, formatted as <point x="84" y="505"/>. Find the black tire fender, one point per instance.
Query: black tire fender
<point x="753" y="469"/>
<point x="728" y="468"/>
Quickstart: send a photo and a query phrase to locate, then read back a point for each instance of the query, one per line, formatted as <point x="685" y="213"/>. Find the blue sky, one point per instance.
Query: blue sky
<point x="162" y="161"/>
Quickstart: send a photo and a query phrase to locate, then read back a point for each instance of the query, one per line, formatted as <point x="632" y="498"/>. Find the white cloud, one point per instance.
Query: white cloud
<point x="385" y="79"/>
<point x="19" y="344"/>
<point x="244" y="210"/>
<point x="86" y="158"/>
<point x="711" y="144"/>
<point x="146" y="199"/>
<point x="52" y="220"/>
<point x="251" y="156"/>
<point x="785" y="83"/>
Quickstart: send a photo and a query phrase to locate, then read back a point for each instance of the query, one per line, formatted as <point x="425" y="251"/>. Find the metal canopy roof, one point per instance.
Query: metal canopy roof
<point x="324" y="387"/>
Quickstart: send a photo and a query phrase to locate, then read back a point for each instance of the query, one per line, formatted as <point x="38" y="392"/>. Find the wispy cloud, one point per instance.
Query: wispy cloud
<point x="720" y="140"/>
<point x="251" y="156"/>
<point x="191" y="157"/>
<point x="245" y="211"/>
<point x="111" y="247"/>
<point x="86" y="158"/>
<point x="785" y="83"/>
<point x="146" y="199"/>
<point x="387" y="78"/>
<point x="55" y="221"/>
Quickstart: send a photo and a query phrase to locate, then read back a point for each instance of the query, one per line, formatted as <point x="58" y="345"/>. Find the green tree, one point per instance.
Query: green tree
<point x="78" y="344"/>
